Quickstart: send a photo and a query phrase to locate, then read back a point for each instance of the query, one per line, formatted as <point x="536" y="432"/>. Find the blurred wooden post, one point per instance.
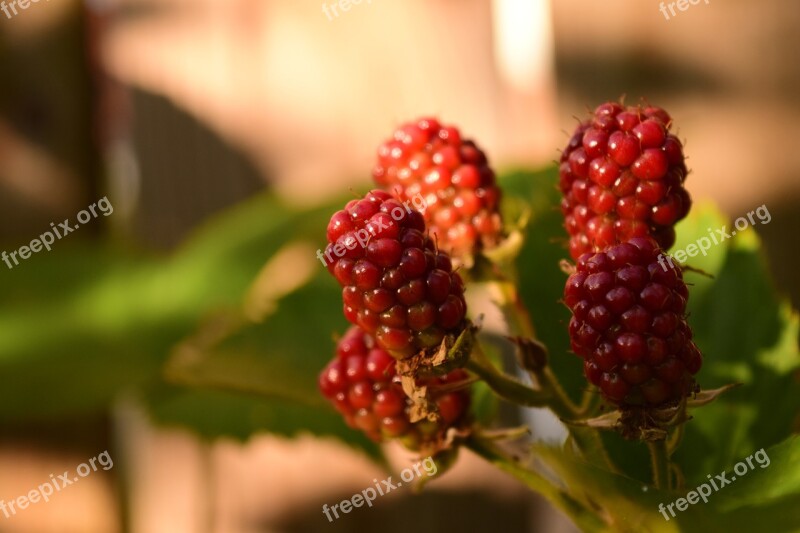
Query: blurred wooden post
<point x="524" y="58"/>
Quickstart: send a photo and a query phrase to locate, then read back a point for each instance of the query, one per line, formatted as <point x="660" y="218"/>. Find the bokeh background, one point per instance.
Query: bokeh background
<point x="180" y="109"/>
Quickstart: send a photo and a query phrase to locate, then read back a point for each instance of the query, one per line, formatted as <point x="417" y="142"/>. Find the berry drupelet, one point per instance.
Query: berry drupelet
<point x="396" y="285"/>
<point x="621" y="176"/>
<point x="629" y="325"/>
<point x="427" y="160"/>
<point x="362" y="384"/>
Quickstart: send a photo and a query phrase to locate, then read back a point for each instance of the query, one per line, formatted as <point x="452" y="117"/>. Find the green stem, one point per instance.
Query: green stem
<point x="677" y="475"/>
<point x="589" y="402"/>
<point x="659" y="461"/>
<point x="517" y="315"/>
<point x="504" y="386"/>
<point x="675" y="439"/>
<point x="519" y="320"/>
<point x="561" y="405"/>
<point x="583" y="517"/>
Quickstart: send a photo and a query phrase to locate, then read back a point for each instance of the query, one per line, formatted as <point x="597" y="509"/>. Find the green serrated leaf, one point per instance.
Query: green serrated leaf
<point x="765" y="498"/>
<point x="279" y="358"/>
<point x="83" y="322"/>
<point x="624" y="504"/>
<point x="746" y="334"/>
<point x="213" y="413"/>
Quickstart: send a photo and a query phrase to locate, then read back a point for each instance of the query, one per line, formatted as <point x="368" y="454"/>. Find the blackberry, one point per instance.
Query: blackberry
<point x="362" y="384"/>
<point x="430" y="161"/>
<point x="629" y="325"/>
<point x="621" y="176"/>
<point x="396" y="285"/>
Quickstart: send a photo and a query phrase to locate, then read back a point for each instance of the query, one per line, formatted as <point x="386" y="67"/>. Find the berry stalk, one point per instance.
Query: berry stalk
<point x="505" y="387"/>
<point x="659" y="461"/>
<point x="520" y="323"/>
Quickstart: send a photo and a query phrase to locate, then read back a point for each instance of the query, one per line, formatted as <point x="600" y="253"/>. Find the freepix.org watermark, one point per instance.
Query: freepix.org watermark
<point x="344" y="5"/>
<point x="47" y="238"/>
<point x="372" y="229"/>
<point x="13" y="4"/>
<point x="55" y="484"/>
<point x="703" y="244"/>
<point x="382" y="488"/>
<point x="720" y="480"/>
<point x="682" y="5"/>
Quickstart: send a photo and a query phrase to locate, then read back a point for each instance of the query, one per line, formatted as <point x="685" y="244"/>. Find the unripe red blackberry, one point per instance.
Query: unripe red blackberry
<point x="362" y="384"/>
<point x="629" y="325"/>
<point x="396" y="286"/>
<point x="622" y="176"/>
<point x="426" y="161"/>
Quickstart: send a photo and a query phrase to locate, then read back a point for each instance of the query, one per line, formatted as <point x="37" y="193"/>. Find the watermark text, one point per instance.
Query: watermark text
<point x="703" y="244"/>
<point x="382" y="488"/>
<point x="55" y="484"/>
<point x="372" y="229"/>
<point x="702" y="492"/>
<point x="682" y="5"/>
<point x="334" y="6"/>
<point x="63" y="229"/>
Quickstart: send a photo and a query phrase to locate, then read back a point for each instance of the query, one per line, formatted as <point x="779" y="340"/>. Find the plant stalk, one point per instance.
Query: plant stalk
<point x="519" y="320"/>
<point x="504" y="386"/>
<point x="583" y="517"/>
<point x="659" y="460"/>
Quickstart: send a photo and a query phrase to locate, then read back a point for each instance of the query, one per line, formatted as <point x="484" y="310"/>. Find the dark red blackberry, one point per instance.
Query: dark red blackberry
<point x="622" y="176"/>
<point x="425" y="161"/>
<point x="362" y="384"/>
<point x="396" y="286"/>
<point x="629" y="325"/>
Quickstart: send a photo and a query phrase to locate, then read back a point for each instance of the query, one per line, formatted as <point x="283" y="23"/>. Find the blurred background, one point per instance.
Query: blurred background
<point x="179" y="109"/>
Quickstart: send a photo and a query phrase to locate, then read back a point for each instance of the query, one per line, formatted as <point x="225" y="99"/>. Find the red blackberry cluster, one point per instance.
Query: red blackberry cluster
<point x="362" y="385"/>
<point x="622" y="176"/>
<point x="396" y="286"/>
<point x="629" y="325"/>
<point x="426" y="161"/>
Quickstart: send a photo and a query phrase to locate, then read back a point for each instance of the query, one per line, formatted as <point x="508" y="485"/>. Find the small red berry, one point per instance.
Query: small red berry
<point x="448" y="178"/>
<point x="395" y="284"/>
<point x="362" y="384"/>
<point x="622" y="176"/>
<point x="636" y="346"/>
